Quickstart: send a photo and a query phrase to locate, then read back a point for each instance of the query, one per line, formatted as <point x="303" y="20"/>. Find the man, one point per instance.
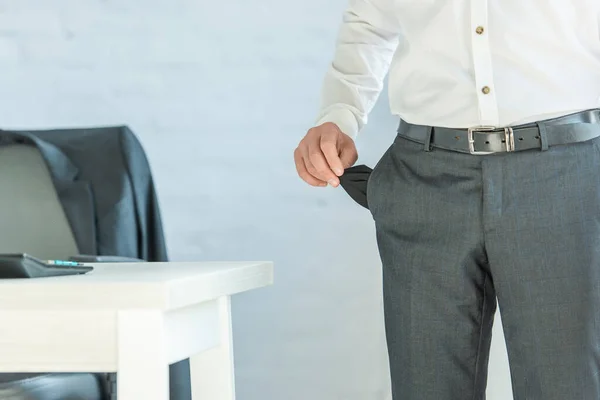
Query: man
<point x="491" y="190"/>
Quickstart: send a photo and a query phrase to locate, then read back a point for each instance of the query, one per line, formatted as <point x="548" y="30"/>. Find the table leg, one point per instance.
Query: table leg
<point x="143" y="371"/>
<point x="212" y="370"/>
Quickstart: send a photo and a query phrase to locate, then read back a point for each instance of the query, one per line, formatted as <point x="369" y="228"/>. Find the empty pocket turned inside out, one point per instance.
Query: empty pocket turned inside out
<point x="354" y="181"/>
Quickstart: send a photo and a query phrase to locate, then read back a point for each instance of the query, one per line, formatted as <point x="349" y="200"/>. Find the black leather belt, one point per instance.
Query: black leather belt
<point x="572" y="128"/>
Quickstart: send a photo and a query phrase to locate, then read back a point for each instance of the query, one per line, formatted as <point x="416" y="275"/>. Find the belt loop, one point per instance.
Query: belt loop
<point x="543" y="135"/>
<point x="428" y="136"/>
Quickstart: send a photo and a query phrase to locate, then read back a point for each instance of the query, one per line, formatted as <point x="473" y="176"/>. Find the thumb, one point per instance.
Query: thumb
<point x="348" y="154"/>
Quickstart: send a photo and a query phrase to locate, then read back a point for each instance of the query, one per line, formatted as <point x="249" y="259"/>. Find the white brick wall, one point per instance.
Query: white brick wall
<point x="220" y="93"/>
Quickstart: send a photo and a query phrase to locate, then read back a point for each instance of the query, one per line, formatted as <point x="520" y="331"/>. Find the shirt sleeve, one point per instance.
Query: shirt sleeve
<point x="365" y="46"/>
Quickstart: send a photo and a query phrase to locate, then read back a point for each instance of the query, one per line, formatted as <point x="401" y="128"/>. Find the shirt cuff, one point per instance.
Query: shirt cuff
<point x="344" y="119"/>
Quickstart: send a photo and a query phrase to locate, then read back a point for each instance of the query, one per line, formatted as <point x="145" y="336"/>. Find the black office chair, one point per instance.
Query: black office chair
<point x="34" y="221"/>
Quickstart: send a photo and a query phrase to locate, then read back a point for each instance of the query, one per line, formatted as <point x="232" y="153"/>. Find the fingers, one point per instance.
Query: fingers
<point x="303" y="171"/>
<point x="323" y="154"/>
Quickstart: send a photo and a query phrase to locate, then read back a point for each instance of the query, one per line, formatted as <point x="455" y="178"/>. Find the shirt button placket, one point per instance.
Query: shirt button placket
<point x="482" y="60"/>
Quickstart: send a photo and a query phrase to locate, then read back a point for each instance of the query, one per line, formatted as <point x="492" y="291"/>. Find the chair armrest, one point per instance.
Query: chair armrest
<point x="88" y="258"/>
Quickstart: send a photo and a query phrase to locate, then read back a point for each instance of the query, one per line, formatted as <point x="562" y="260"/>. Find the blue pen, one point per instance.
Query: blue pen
<point x="63" y="263"/>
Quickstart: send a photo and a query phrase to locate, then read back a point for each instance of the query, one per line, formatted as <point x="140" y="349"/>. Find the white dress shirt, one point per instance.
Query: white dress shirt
<point x="464" y="63"/>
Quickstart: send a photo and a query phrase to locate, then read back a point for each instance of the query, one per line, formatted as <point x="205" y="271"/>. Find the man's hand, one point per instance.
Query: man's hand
<point x="323" y="154"/>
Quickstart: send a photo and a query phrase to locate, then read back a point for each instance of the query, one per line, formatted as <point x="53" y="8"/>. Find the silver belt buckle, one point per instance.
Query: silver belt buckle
<point x="509" y="138"/>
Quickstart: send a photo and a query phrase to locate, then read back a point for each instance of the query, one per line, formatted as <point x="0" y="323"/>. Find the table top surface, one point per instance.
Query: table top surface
<point x="160" y="285"/>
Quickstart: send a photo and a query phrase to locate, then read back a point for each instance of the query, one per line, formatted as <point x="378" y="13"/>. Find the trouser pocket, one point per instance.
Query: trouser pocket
<point x="354" y="181"/>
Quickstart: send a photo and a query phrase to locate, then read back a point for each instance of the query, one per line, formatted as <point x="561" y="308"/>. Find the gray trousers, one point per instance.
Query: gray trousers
<point x="456" y="232"/>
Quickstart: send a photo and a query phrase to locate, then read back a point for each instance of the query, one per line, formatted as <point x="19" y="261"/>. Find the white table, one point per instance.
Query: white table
<point x="131" y="318"/>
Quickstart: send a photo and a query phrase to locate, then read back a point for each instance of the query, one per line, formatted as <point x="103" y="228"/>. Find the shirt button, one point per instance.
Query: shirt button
<point x="486" y="89"/>
<point x="479" y="30"/>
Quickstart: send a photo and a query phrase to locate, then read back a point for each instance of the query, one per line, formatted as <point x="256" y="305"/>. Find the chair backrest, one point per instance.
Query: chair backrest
<point x="32" y="219"/>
